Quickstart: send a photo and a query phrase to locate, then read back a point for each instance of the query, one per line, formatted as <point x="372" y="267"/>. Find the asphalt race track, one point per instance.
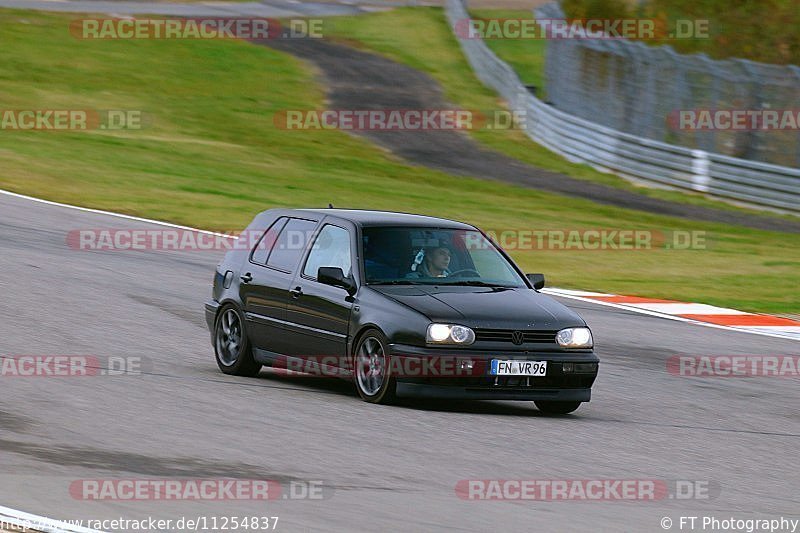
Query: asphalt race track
<point x="384" y="468"/>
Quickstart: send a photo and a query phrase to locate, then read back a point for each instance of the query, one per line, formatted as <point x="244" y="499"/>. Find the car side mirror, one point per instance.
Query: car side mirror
<point x="335" y="276"/>
<point x="537" y="280"/>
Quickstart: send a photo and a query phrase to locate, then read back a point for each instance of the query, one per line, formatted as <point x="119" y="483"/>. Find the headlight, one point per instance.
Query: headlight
<point x="449" y="334"/>
<point x="575" y="338"/>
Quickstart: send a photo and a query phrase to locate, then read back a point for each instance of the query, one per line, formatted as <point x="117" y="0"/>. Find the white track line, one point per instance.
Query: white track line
<point x="112" y="214"/>
<point x="27" y="521"/>
<point x="679" y="308"/>
<point x="564" y="293"/>
<point x="558" y="292"/>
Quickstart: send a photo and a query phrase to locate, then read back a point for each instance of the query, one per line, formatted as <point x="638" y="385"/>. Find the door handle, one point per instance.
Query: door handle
<point x="247" y="278"/>
<point x="296" y="292"/>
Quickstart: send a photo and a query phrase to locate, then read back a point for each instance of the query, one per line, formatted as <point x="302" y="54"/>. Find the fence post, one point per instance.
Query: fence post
<point x="701" y="178"/>
<point x="794" y="69"/>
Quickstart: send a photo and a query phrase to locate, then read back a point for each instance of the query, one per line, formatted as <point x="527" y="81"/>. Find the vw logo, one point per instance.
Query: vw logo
<point x="517" y="337"/>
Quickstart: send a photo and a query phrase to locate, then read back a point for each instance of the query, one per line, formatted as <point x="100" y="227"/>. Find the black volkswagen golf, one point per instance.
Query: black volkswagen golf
<point x="403" y="305"/>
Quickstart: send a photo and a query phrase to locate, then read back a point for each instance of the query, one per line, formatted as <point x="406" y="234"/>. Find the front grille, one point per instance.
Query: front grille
<point x="506" y="335"/>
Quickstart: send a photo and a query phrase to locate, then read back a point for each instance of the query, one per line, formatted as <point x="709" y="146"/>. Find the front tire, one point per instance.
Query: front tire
<point x="556" y="408"/>
<point x="232" y="348"/>
<point x="372" y="369"/>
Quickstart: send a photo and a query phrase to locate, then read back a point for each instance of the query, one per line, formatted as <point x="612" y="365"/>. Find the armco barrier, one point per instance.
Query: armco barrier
<point x="581" y="140"/>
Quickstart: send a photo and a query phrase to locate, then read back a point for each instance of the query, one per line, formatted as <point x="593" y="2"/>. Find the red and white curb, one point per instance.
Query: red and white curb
<point x="703" y="314"/>
<point x="22" y="521"/>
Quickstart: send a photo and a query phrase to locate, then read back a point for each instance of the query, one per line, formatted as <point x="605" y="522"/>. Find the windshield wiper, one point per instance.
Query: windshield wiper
<point x="478" y="283"/>
<point x="396" y="282"/>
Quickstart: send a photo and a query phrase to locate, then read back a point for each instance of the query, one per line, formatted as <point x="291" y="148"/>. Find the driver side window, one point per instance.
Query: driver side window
<point x="331" y="249"/>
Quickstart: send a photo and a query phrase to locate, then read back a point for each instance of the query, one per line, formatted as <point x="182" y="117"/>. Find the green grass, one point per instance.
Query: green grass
<point x="210" y="156"/>
<point x="526" y="56"/>
<point x="423" y="39"/>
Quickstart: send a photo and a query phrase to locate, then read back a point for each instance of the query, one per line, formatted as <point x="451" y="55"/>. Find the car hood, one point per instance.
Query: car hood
<point x="485" y="307"/>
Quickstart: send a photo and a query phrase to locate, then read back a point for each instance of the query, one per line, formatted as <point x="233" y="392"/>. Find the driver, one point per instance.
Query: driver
<point x="431" y="263"/>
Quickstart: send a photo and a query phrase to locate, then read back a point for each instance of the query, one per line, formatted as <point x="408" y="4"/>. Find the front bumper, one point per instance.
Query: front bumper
<point x="420" y="390"/>
<point x="448" y="379"/>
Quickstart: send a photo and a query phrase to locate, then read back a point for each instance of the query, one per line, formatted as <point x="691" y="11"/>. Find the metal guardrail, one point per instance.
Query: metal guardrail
<point x="581" y="140"/>
<point x="639" y="89"/>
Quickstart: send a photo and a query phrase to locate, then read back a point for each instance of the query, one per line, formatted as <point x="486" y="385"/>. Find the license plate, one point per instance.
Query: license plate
<point x="518" y="368"/>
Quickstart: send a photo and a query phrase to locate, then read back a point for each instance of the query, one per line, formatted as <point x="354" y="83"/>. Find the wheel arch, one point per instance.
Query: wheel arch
<point x="362" y="329"/>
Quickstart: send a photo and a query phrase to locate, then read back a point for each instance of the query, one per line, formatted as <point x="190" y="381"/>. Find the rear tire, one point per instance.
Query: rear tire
<point x="556" y="408"/>
<point x="232" y="348"/>
<point x="372" y="369"/>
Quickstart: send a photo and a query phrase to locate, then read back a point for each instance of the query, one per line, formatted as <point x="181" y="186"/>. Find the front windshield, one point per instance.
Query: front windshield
<point x="434" y="256"/>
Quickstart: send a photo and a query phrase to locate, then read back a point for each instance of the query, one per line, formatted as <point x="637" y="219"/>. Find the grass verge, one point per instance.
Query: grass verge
<point x="423" y="39"/>
<point x="209" y="155"/>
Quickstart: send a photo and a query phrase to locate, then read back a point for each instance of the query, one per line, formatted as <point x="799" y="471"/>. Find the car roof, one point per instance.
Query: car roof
<point x="385" y="218"/>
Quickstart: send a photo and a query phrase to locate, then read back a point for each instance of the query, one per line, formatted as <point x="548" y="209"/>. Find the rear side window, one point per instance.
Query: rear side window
<point x="267" y="241"/>
<point x="291" y="244"/>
